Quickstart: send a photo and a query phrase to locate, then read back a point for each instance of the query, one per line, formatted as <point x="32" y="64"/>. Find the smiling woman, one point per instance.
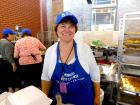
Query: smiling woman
<point x="69" y="65"/>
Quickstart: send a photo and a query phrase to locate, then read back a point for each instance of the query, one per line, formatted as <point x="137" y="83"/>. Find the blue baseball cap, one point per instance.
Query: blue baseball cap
<point x="26" y="31"/>
<point x="68" y="15"/>
<point x="8" y="31"/>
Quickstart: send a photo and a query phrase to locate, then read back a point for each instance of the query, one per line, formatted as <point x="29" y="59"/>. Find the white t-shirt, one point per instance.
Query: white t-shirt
<point x="85" y="56"/>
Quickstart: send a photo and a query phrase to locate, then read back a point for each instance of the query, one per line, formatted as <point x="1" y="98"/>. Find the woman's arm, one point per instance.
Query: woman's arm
<point x="45" y="86"/>
<point x="97" y="93"/>
<point x="16" y="50"/>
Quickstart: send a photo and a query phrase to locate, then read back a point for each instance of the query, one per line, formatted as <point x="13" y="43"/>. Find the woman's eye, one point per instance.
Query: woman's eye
<point x="63" y="26"/>
<point x="71" y="26"/>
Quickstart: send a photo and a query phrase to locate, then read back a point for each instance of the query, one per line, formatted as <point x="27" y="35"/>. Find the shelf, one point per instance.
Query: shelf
<point x="132" y="33"/>
<point x="132" y="56"/>
<point x="129" y="91"/>
<point x="130" y="69"/>
<point x="127" y="98"/>
<point x="132" y="49"/>
<point x="131" y="72"/>
<point x="132" y="44"/>
<point x="129" y="56"/>
<point x="123" y="103"/>
<point x="130" y="64"/>
<point x="130" y="60"/>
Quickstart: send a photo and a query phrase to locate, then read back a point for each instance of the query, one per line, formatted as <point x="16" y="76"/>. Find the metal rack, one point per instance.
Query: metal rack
<point x="128" y="50"/>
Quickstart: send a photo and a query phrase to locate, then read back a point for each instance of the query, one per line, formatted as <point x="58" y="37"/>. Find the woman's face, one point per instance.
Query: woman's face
<point x="66" y="31"/>
<point x="11" y="37"/>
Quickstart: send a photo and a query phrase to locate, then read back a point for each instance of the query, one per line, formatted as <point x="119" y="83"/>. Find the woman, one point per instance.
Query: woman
<point x="7" y="66"/>
<point x="28" y="51"/>
<point x="69" y="67"/>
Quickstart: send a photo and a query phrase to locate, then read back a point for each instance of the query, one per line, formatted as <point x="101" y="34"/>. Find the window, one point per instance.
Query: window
<point x="99" y="2"/>
<point x="102" y="1"/>
<point x="103" y="18"/>
<point x="103" y="15"/>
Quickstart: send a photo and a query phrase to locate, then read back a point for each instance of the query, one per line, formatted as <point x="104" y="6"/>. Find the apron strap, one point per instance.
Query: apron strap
<point x="75" y="50"/>
<point x="58" y="52"/>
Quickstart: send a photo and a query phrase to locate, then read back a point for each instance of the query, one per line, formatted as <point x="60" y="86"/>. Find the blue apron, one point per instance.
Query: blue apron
<point x="79" y="87"/>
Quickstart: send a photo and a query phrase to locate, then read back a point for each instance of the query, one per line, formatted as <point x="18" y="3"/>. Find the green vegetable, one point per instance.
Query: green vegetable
<point x="97" y="43"/>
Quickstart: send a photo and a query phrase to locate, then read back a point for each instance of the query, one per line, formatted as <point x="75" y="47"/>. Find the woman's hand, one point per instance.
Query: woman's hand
<point x="97" y="93"/>
<point x="14" y="67"/>
<point x="97" y="100"/>
<point x="59" y="100"/>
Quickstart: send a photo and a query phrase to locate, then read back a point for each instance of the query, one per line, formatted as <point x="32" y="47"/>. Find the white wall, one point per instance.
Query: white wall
<point x="83" y="12"/>
<point x="109" y="38"/>
<point x="125" y="6"/>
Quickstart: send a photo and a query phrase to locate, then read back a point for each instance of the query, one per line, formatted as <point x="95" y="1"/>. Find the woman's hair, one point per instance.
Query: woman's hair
<point x="26" y="34"/>
<point x="63" y="21"/>
<point x="5" y="36"/>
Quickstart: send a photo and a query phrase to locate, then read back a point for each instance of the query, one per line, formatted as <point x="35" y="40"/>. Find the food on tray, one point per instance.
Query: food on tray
<point x="132" y="41"/>
<point x="130" y="83"/>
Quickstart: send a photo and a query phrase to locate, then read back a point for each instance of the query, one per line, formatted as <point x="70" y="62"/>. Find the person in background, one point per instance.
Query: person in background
<point x="28" y="51"/>
<point x="7" y="66"/>
<point x="69" y="67"/>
